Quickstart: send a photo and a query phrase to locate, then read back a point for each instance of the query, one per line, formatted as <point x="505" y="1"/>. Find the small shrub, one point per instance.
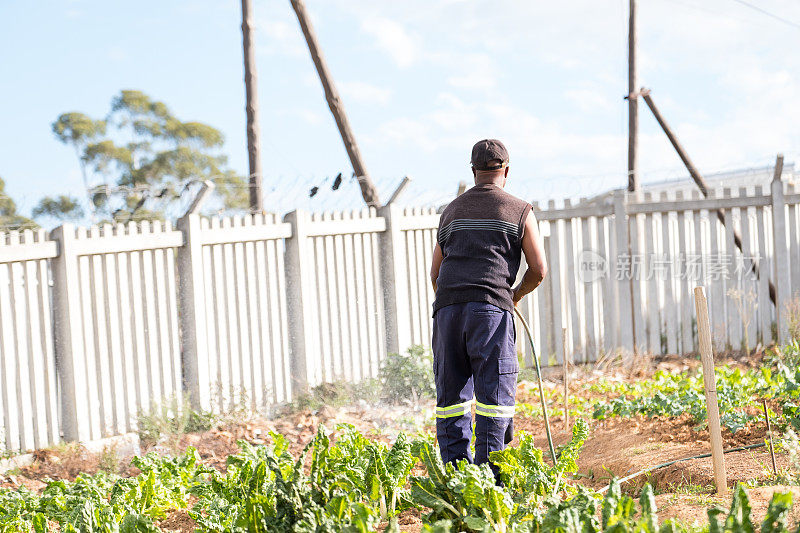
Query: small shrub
<point x="746" y="304"/>
<point x="408" y="376"/>
<point x="788" y="355"/>
<point x="336" y="394"/>
<point x="171" y="419"/>
<point x="108" y="460"/>
<point x="402" y="378"/>
<point x="791" y="444"/>
<point x="792" y="315"/>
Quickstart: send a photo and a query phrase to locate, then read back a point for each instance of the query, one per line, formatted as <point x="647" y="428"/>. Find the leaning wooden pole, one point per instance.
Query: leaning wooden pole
<point x="368" y="190"/>
<point x="251" y="94"/>
<point x="698" y="179"/>
<point x="633" y="104"/>
<point x="710" y="385"/>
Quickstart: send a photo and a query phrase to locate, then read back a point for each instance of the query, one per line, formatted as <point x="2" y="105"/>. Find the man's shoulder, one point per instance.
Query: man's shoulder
<point x="454" y="204"/>
<point x="511" y="198"/>
<point x="472" y="200"/>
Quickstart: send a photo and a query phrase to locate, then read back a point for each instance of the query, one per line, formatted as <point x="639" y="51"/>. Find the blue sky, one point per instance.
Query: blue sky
<point x="421" y="81"/>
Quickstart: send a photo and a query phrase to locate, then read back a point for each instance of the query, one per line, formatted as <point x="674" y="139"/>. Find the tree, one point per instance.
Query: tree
<point x="77" y="129"/>
<point x="140" y="160"/>
<point x="61" y="207"/>
<point x="9" y="218"/>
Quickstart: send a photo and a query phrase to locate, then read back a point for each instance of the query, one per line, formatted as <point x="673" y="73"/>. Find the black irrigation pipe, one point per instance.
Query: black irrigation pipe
<point x="668" y="463"/>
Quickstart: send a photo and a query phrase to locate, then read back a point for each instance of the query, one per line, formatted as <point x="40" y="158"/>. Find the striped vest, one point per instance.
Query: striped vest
<point x="480" y="234"/>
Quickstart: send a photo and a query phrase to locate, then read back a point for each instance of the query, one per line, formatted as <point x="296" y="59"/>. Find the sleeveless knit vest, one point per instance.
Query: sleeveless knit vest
<point x="480" y="234"/>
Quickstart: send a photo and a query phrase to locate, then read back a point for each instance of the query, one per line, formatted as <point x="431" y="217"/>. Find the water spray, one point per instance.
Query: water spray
<point x="539" y="380"/>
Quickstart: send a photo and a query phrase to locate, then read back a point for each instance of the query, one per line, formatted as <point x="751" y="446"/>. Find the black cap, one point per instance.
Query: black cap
<point x="489" y="154"/>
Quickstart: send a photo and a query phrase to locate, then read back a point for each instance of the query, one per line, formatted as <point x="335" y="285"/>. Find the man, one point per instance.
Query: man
<point x="482" y="235"/>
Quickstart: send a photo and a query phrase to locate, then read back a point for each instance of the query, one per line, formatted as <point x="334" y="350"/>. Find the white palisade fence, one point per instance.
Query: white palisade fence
<point x="116" y="324"/>
<point x="622" y="272"/>
<point x="99" y="324"/>
<point x="235" y="325"/>
<point x="29" y="397"/>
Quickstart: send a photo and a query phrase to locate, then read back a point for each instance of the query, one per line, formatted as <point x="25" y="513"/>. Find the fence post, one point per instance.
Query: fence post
<point x="300" y="298"/>
<point x="395" y="281"/>
<point x="191" y="295"/>
<point x="781" y="274"/>
<point x="621" y="266"/>
<point x="68" y="338"/>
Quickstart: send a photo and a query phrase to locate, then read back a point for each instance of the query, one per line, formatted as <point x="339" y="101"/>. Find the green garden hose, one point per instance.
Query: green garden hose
<point x="539" y="380"/>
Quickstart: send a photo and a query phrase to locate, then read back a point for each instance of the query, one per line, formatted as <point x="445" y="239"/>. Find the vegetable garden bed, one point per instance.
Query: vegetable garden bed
<point x="285" y="474"/>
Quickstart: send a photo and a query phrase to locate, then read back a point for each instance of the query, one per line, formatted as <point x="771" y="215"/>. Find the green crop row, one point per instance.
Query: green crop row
<point x="356" y="485"/>
<point x="668" y="394"/>
<point x="672" y="394"/>
<point x="104" y="502"/>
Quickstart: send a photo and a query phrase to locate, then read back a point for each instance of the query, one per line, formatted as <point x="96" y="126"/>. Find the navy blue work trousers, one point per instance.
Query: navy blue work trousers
<point x="474" y="357"/>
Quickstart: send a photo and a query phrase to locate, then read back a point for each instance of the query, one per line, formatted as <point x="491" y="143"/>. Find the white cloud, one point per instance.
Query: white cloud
<point x="392" y="38"/>
<point x="283" y="37"/>
<point x="456" y="124"/>
<point x="588" y="100"/>
<point x="407" y="131"/>
<point x="453" y="114"/>
<point x="116" y="54"/>
<point x="309" y="116"/>
<point x="365" y="93"/>
<point x="474" y="71"/>
<point x="472" y="80"/>
<point x="720" y="74"/>
<point x="304" y="114"/>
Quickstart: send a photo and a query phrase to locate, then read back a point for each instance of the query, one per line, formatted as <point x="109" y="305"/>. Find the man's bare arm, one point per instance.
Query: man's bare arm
<point x="435" y="264"/>
<point x="534" y="256"/>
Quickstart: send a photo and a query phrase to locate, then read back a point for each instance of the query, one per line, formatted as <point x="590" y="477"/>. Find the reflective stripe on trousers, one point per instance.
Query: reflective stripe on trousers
<point x="494" y="411"/>
<point x="461" y="409"/>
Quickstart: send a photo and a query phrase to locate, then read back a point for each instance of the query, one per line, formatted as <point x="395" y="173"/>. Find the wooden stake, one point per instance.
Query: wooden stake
<point x="710" y="385"/>
<point x="368" y="190"/>
<point x="251" y="106"/>
<point x="566" y="379"/>
<point x="769" y="433"/>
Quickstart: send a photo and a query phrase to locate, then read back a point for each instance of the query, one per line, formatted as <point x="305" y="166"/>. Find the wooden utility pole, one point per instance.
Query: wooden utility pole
<point x="251" y="94"/>
<point x="698" y="179"/>
<point x="368" y="190"/>
<point x="633" y="104"/>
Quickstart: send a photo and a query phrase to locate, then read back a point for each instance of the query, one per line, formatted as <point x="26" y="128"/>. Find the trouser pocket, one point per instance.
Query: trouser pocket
<point x="509" y="431"/>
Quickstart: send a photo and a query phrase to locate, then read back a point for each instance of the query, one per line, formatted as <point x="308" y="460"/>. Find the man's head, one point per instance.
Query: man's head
<point x="490" y="162"/>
